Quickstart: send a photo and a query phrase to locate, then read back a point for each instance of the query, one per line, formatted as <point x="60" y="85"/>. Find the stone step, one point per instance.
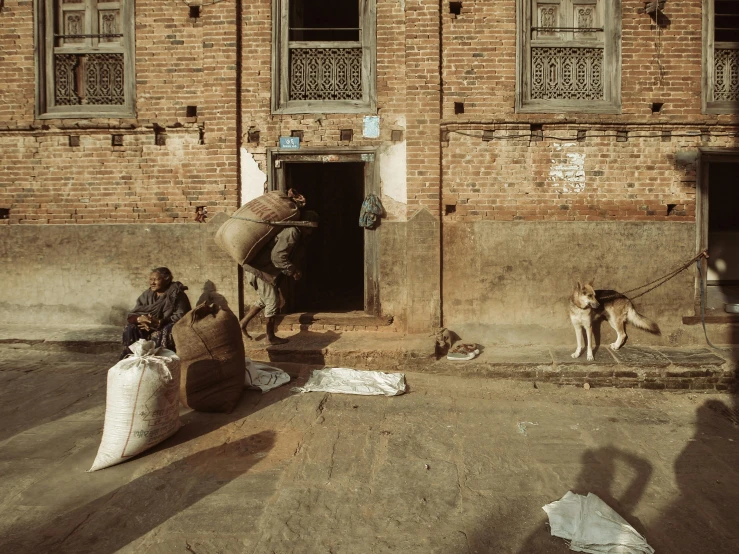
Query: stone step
<point x="357" y="349"/>
<point x="631" y="367"/>
<point x="649" y="367"/>
<point x="331" y="321"/>
<point x="669" y="368"/>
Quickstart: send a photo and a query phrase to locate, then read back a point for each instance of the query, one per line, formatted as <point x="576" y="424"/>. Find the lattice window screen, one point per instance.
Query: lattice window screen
<point x="567" y="73"/>
<point x="726" y="74"/>
<point x="326" y="74"/>
<point x="86" y="52"/>
<point x="566" y="43"/>
<point x="725" y="31"/>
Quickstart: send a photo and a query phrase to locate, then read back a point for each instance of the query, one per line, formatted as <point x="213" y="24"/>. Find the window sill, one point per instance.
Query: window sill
<point x="722" y="107"/>
<point x="88" y="115"/>
<point x="552" y="106"/>
<point x="313" y="106"/>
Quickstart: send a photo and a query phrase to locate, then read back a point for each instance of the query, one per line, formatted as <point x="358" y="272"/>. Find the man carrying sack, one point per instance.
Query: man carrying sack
<point x="280" y="256"/>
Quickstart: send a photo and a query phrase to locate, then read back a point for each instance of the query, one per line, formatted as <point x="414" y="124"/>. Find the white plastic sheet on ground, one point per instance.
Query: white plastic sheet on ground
<point x="592" y="526"/>
<point x="264" y="377"/>
<point x="352" y="381"/>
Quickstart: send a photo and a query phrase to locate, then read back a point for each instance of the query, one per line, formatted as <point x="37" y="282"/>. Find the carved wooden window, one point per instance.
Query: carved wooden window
<point x="85" y="58"/>
<point x="721" y="56"/>
<point x="324" y="56"/>
<point x="569" y="56"/>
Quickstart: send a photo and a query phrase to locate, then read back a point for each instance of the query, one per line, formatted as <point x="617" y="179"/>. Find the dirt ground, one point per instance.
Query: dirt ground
<point x="455" y="466"/>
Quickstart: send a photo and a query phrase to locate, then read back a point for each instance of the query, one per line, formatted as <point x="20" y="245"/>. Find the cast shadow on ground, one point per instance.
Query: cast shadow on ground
<point x="198" y="424"/>
<point x="113" y="521"/>
<point x="211" y="295"/>
<point x="703" y="517"/>
<point x="598" y="475"/>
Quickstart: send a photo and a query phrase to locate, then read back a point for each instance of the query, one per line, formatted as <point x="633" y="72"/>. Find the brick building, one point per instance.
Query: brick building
<point x="516" y="146"/>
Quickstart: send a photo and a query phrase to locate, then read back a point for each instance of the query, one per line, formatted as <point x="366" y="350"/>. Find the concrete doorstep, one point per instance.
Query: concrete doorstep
<point x="673" y="368"/>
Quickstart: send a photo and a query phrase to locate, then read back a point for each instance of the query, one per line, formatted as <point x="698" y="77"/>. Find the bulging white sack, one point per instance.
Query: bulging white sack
<point x="141" y="405"/>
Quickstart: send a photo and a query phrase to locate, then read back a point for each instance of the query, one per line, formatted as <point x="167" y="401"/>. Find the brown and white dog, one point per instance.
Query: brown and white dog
<point x="588" y="306"/>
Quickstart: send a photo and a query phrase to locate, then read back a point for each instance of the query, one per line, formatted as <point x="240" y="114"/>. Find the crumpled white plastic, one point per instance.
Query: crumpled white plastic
<point x="352" y="381"/>
<point x="264" y="377"/>
<point x="592" y="526"/>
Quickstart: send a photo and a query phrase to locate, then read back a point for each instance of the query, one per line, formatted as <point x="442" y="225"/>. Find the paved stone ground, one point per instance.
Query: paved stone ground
<point x="455" y="466"/>
<point x="695" y="367"/>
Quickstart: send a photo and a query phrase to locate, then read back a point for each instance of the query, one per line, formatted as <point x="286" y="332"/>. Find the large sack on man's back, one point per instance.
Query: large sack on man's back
<point x="141" y="407"/>
<point x="211" y="350"/>
<point x="242" y="236"/>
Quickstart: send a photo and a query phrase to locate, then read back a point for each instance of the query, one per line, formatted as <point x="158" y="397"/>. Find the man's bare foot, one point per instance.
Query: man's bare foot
<point x="246" y="333"/>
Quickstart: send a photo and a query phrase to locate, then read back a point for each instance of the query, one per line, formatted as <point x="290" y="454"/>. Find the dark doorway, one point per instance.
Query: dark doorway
<point x="324" y="20"/>
<point x="334" y="269"/>
<point x="723" y="236"/>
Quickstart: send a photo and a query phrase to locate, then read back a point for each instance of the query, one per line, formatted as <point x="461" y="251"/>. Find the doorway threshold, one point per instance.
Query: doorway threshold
<point x="337" y="321"/>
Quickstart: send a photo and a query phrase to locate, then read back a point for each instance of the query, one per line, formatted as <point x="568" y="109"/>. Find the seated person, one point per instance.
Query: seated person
<point x="156" y="311"/>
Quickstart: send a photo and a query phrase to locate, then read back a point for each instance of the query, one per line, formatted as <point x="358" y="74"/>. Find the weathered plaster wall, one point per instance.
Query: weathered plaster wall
<point x="509" y="282"/>
<point x="92" y="274"/>
<point x="253" y="178"/>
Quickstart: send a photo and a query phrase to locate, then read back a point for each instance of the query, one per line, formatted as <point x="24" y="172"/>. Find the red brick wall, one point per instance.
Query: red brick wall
<point x="514" y="178"/>
<point x="179" y="62"/>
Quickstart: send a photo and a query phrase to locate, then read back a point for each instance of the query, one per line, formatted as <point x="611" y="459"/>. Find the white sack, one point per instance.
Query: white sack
<point x="592" y="526"/>
<point x="264" y="377"/>
<point x="141" y="404"/>
<point x="351" y="381"/>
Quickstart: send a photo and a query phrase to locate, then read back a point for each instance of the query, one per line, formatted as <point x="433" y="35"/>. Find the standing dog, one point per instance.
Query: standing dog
<point x="588" y="306"/>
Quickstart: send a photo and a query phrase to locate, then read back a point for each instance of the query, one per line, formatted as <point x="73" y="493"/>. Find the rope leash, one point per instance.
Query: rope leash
<point x="662" y="280"/>
<point x="279" y="223"/>
<point x="703" y="305"/>
<point x="659" y="281"/>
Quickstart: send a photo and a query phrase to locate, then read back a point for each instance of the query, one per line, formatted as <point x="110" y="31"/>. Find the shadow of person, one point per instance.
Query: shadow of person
<point x="703" y="516"/>
<point x="599" y="474"/>
<point x="115" y="520"/>
<point x="211" y="295"/>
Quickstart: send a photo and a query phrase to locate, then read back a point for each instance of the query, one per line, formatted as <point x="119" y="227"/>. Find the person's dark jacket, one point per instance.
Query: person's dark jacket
<point x="168" y="308"/>
<point x="277" y="257"/>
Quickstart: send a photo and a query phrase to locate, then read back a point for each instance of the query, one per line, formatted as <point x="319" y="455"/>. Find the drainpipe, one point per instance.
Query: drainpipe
<point x="239" y="138"/>
<point x="441" y="164"/>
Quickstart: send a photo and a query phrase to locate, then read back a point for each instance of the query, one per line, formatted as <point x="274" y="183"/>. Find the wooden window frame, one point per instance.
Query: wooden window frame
<point x="611" y="104"/>
<point x="44" y="48"/>
<point x="281" y="70"/>
<point x="708" y="105"/>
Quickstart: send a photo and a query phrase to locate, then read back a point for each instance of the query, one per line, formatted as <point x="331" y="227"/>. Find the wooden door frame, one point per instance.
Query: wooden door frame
<point x="706" y="156"/>
<point x="278" y="157"/>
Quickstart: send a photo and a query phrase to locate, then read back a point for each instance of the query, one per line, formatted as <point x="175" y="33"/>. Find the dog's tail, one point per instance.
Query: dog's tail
<point x="638" y="320"/>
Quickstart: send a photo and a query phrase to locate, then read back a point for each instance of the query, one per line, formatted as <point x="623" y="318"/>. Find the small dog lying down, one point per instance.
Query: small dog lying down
<point x="588" y="306"/>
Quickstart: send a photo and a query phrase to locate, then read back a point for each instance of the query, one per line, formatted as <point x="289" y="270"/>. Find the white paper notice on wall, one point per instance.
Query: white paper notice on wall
<point x="371" y="127"/>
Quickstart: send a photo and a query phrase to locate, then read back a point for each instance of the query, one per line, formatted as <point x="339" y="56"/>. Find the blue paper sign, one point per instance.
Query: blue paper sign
<point x="290" y="142"/>
<point x="371" y="126"/>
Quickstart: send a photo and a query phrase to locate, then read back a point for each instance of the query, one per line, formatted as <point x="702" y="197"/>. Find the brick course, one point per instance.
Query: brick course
<point x="427" y="60"/>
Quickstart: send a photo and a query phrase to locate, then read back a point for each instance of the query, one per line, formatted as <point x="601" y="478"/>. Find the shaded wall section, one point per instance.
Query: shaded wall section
<point x="92" y="274"/>
<point x="509" y="282"/>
